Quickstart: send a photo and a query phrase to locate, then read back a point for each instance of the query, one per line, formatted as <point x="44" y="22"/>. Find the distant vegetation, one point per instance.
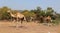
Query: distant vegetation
<point x="32" y="13"/>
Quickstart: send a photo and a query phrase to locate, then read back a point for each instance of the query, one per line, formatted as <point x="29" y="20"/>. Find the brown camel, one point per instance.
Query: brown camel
<point x="47" y="19"/>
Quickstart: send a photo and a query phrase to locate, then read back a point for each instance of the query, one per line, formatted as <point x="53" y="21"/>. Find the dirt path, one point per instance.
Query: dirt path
<point x="7" y="27"/>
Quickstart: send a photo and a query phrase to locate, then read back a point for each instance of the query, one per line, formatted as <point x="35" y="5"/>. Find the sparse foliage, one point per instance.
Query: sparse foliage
<point x="36" y="13"/>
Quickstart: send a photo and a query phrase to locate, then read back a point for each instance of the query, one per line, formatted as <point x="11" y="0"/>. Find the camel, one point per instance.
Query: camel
<point x="47" y="19"/>
<point x="18" y="16"/>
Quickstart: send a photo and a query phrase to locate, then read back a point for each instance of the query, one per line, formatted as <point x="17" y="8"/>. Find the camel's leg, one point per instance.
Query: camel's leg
<point x="11" y="19"/>
<point x="22" y="19"/>
<point x="17" y="22"/>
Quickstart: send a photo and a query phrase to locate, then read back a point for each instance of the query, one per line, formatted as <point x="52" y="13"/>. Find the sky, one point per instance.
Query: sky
<point x="31" y="4"/>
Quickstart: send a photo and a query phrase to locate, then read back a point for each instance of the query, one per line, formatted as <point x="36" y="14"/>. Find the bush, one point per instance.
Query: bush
<point x="56" y="22"/>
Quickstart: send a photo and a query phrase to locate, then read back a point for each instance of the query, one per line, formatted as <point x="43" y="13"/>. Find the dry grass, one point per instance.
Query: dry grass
<point x="30" y="27"/>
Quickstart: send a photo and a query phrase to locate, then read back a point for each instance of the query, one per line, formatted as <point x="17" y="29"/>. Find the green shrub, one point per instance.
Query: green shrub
<point x="56" y="22"/>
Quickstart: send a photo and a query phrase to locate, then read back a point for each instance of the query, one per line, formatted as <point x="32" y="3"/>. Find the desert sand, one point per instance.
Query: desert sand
<point x="30" y="27"/>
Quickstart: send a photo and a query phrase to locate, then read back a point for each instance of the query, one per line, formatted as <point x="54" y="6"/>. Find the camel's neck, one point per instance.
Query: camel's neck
<point x="12" y="14"/>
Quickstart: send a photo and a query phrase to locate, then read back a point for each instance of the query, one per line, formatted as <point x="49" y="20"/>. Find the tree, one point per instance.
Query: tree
<point x="49" y="11"/>
<point x="28" y="13"/>
<point x="37" y="11"/>
<point x="3" y="12"/>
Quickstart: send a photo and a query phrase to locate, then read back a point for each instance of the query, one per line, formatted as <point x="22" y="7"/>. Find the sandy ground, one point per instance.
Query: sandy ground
<point x="31" y="27"/>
